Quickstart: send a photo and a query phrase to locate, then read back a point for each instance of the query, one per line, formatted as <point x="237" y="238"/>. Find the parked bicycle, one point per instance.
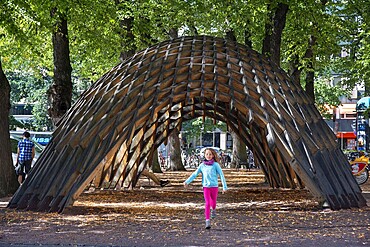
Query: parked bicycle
<point x="162" y="160"/>
<point x="192" y="160"/>
<point x="225" y="159"/>
<point x="360" y="166"/>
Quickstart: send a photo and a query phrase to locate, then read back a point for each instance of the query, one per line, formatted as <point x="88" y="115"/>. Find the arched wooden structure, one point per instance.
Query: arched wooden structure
<point x="113" y="130"/>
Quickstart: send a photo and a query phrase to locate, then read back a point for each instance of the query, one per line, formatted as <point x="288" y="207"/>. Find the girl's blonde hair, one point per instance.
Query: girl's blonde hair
<point x="215" y="155"/>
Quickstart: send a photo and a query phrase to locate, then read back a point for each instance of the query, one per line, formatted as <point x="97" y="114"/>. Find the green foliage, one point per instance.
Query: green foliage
<point x="22" y="39"/>
<point x="94" y="37"/>
<point x="31" y="88"/>
<point x="24" y="85"/>
<point x="327" y="95"/>
<point x="194" y="128"/>
<point x="355" y="40"/>
<point x="14" y="124"/>
<point x="41" y="120"/>
<point x="310" y="18"/>
<point x="98" y="34"/>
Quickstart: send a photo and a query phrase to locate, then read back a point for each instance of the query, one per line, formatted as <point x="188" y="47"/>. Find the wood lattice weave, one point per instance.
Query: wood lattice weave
<point x="115" y="127"/>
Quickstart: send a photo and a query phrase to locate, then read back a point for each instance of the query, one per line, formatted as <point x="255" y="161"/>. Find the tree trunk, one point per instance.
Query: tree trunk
<point x="230" y="35"/>
<point x="194" y="30"/>
<point x="240" y="155"/>
<point x="156" y="168"/>
<point x="173" y="33"/>
<point x="128" y="39"/>
<point x="60" y="93"/>
<point x="174" y="139"/>
<point x="247" y="38"/>
<point x="310" y="74"/>
<point x="8" y="180"/>
<point x="274" y="27"/>
<point x="175" y="151"/>
<point x="294" y="70"/>
<point x="310" y="56"/>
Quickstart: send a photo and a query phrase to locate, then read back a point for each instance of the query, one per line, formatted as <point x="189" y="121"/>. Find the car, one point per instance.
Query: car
<point x="14" y="145"/>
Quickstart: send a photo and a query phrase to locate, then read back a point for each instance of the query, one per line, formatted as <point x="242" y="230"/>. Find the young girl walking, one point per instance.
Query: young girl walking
<point x="210" y="169"/>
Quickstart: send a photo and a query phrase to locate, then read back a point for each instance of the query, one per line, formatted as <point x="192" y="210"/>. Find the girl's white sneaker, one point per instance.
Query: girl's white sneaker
<point x="208" y="224"/>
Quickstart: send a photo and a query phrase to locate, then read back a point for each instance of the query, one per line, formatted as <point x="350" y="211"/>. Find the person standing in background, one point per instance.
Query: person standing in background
<point x="25" y="155"/>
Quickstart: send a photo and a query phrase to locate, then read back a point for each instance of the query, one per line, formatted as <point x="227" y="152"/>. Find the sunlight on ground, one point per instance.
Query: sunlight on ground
<point x="139" y="204"/>
<point x="154" y="204"/>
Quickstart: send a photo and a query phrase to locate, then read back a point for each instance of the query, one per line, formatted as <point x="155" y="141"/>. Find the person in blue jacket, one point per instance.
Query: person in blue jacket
<point x="210" y="169"/>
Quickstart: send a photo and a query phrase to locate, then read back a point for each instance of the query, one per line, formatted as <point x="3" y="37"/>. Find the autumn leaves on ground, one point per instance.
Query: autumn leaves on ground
<point x="249" y="214"/>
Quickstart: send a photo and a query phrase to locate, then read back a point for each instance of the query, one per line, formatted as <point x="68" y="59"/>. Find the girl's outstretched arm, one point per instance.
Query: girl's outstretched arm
<point x="193" y="176"/>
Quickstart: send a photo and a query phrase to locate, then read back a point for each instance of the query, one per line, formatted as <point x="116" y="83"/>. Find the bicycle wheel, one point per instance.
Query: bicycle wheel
<point x="189" y="161"/>
<point x="363" y="177"/>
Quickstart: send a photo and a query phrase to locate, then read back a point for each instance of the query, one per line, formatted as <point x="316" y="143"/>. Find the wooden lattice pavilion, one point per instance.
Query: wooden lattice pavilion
<point x="113" y="130"/>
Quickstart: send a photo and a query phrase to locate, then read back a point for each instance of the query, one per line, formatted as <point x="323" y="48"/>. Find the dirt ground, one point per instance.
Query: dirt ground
<point x="249" y="214"/>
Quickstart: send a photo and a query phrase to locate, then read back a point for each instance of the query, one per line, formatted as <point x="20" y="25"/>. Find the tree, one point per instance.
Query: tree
<point x="239" y="147"/>
<point x="175" y="151"/>
<point x="310" y="55"/>
<point x="311" y="40"/>
<point x="63" y="23"/>
<point x="239" y="151"/>
<point x="60" y="92"/>
<point x="174" y="139"/>
<point x="8" y="180"/>
<point x="156" y="167"/>
<point x="10" y="23"/>
<point x="128" y="45"/>
<point x="136" y="25"/>
<point x="195" y="127"/>
<point x="355" y="67"/>
<point x="274" y="27"/>
<point x="328" y="96"/>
